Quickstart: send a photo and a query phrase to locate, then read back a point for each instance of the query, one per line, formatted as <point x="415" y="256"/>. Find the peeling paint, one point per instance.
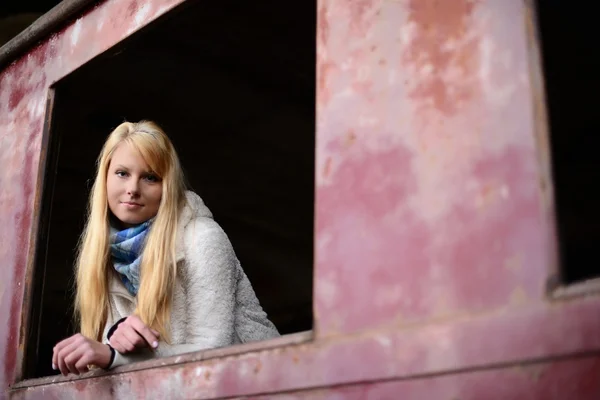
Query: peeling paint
<point x="442" y="349"/>
<point x="433" y="240"/>
<point x="76" y="31"/>
<point x="442" y="51"/>
<point x="438" y="186"/>
<point x="140" y="17"/>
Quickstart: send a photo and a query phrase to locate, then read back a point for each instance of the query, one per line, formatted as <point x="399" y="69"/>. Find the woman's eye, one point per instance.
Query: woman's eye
<point x="121" y="174"/>
<point x="152" y="178"/>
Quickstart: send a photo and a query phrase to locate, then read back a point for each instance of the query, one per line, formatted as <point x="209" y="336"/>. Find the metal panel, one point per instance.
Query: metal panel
<point x="40" y="28"/>
<point x="504" y="339"/>
<point x="574" y="379"/>
<point x="433" y="241"/>
<point x="429" y="201"/>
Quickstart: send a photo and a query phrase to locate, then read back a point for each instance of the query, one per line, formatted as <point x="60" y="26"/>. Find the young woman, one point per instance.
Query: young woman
<point x="156" y="275"/>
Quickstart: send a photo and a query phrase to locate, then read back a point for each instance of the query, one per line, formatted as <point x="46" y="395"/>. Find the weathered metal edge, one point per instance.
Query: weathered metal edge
<point x="31" y="272"/>
<point x="578" y="289"/>
<point x="236" y="350"/>
<point x="393" y="353"/>
<point x="41" y="28"/>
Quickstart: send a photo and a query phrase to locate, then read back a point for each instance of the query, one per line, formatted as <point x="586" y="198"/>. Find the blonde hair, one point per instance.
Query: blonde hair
<point x="158" y="266"/>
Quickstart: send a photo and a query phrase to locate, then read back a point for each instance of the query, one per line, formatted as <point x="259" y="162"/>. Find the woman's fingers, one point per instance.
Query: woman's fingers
<point x="133" y="333"/>
<point x="133" y="337"/>
<point x="73" y="355"/>
<point x="72" y="358"/>
<point x="144" y="331"/>
<point x="121" y="344"/>
<point x="86" y="359"/>
<point x="91" y="352"/>
<point x="72" y="344"/>
<point x="59" y="346"/>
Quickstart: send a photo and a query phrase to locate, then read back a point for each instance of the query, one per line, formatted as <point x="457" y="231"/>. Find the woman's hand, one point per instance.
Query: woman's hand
<point x="74" y="354"/>
<point x="132" y="334"/>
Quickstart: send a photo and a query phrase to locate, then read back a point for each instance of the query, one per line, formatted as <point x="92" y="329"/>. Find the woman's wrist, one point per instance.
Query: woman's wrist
<point x="111" y="356"/>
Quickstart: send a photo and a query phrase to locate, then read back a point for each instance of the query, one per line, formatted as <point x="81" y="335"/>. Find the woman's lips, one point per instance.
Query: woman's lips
<point x="131" y="205"/>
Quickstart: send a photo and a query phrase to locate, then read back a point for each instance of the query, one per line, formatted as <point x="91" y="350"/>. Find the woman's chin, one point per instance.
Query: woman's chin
<point x="128" y="221"/>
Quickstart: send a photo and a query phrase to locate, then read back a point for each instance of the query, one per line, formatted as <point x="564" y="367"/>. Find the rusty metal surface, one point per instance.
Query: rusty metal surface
<point x="576" y="379"/>
<point x="429" y="203"/>
<point x="433" y="244"/>
<point x="42" y="27"/>
<point x="32" y="284"/>
<point x="579" y="289"/>
<point x="226" y="352"/>
<point x="23" y="89"/>
<point x="557" y="380"/>
<point x="506" y="339"/>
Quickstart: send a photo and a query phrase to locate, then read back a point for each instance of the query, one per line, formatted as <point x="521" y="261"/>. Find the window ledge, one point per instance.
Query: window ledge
<point x="578" y="289"/>
<point x="286" y="340"/>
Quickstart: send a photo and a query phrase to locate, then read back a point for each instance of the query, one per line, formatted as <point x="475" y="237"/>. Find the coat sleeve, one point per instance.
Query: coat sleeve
<point x="210" y="285"/>
<point x="209" y="282"/>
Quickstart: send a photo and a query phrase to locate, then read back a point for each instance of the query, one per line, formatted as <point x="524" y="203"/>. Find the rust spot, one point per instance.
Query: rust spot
<point x="207" y="375"/>
<point x="363" y="88"/>
<point x="350" y="138"/>
<point x="327" y="168"/>
<point x="441" y="54"/>
<point x="536" y="374"/>
<point x="513" y="263"/>
<point x="518" y="297"/>
<point x="295" y="359"/>
<point x="16" y="96"/>
<point x="132" y="8"/>
<point x="486" y="195"/>
<point x="359" y="19"/>
<point x="325" y="68"/>
<point x="257" y="367"/>
<point x="323" y="24"/>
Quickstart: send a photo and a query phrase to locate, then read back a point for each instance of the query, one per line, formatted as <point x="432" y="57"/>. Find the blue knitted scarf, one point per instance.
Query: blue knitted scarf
<point x="126" y="248"/>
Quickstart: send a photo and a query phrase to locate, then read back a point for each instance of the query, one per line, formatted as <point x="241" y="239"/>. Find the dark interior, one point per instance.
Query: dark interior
<point x="233" y="85"/>
<point x="571" y="69"/>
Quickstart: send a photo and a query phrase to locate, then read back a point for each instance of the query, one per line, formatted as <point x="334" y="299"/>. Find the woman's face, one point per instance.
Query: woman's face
<point x="133" y="190"/>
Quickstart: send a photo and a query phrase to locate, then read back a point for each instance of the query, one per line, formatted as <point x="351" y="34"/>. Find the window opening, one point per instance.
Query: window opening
<point x="568" y="39"/>
<point x="233" y="85"/>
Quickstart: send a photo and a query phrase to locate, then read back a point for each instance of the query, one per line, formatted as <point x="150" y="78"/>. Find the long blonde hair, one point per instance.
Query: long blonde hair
<point x="158" y="266"/>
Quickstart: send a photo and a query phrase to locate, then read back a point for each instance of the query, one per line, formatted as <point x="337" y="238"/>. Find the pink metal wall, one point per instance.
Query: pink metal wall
<point x="434" y="237"/>
<point x="429" y="201"/>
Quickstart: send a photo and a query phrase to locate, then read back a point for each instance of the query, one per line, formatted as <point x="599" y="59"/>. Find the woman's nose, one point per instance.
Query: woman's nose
<point x="133" y="187"/>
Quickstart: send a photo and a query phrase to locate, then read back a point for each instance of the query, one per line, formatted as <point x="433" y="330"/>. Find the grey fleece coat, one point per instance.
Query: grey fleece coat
<point x="213" y="305"/>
